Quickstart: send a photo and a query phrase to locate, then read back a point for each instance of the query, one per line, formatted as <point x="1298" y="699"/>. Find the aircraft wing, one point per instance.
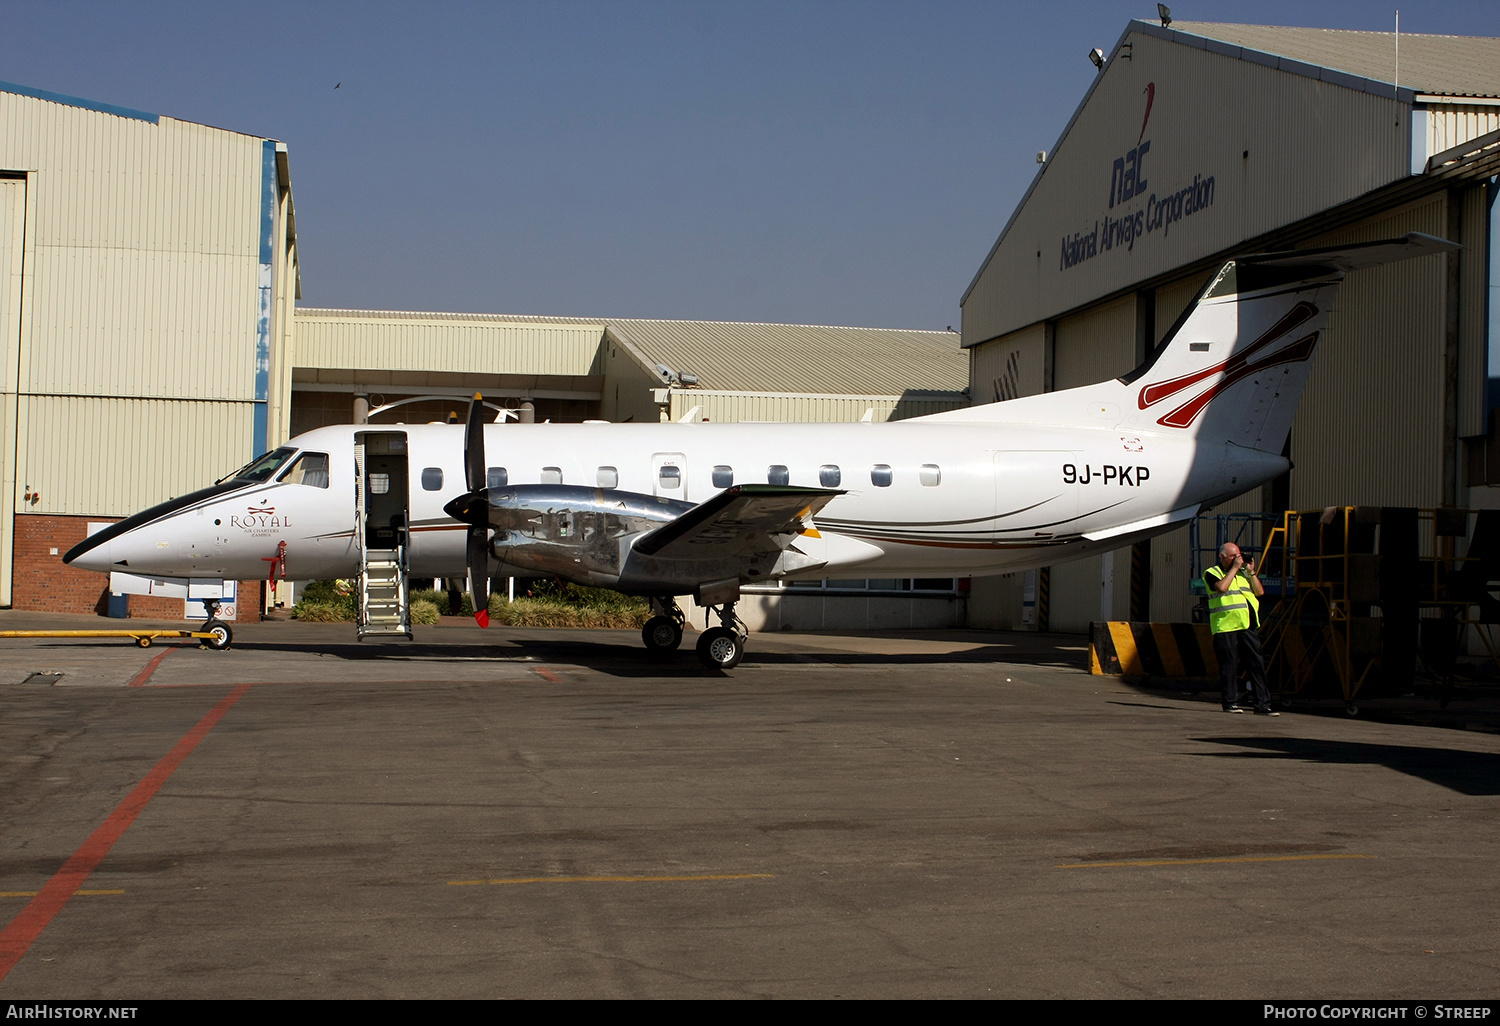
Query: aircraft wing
<point x="738" y="521"/>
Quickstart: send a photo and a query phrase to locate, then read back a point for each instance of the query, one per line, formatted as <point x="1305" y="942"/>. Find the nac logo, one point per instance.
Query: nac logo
<point x="1127" y="176"/>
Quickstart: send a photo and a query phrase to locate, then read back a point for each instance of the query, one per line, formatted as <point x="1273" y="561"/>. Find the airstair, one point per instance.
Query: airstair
<point x="384" y="600"/>
<point x="383" y="604"/>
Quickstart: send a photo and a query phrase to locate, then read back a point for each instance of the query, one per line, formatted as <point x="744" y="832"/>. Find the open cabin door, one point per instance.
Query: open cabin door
<point x="380" y="532"/>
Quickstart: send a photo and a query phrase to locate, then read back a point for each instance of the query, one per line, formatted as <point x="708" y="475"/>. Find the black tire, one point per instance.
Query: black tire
<point x="221" y="636"/>
<point x="144" y="641"/>
<point x="720" y="648"/>
<point x="662" y="634"/>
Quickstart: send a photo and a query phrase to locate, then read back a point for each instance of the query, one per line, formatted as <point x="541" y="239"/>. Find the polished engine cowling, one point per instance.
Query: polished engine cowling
<point x="577" y="533"/>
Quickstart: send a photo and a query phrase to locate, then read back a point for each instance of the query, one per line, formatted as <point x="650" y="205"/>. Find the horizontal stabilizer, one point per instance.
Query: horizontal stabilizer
<point x="738" y="520"/>
<point x="1148" y="524"/>
<point x="1360" y="254"/>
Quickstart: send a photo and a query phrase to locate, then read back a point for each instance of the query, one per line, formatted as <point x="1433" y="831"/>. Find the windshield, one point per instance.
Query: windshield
<point x="261" y="469"/>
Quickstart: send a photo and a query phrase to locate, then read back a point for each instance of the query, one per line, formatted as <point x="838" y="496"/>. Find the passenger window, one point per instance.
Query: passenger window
<point x="609" y="477"/>
<point x="552" y="475"/>
<point x="495" y="477"/>
<point x="829" y="475"/>
<point x="432" y="478"/>
<point x="880" y="475"/>
<point x="310" y="469"/>
<point x="723" y="477"/>
<point x="931" y="475"/>
<point x="669" y="476"/>
<point x="778" y="475"/>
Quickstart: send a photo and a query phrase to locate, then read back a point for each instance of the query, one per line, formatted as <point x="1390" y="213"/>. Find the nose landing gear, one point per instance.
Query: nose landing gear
<point x="220" y="636"/>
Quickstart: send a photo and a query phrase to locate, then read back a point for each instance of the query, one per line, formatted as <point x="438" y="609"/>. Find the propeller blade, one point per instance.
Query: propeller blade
<point x="479" y="575"/>
<point x="474" y="445"/>
<point x="478" y="519"/>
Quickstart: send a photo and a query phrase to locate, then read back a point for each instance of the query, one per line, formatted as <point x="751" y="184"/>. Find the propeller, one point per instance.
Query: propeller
<point x="478" y="520"/>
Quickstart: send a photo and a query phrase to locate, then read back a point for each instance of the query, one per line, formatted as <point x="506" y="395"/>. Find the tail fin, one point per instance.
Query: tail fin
<point x="1233" y="367"/>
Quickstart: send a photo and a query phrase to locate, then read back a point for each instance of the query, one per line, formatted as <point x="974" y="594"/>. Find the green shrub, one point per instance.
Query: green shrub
<point x="571" y="605"/>
<point x="324" y="612"/>
<point x="424" y="612"/>
<point x="439" y="600"/>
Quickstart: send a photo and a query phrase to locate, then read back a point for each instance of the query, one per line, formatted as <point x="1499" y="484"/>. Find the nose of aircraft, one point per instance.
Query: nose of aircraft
<point x="93" y="553"/>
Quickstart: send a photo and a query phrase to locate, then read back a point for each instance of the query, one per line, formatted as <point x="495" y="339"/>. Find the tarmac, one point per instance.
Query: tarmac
<point x="553" y="813"/>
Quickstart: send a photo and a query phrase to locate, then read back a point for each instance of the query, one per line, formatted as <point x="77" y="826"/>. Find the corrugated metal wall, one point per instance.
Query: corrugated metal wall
<point x="1010" y="366"/>
<point x="12" y="263"/>
<point x="1474" y="332"/>
<point x="1449" y="125"/>
<point x="1245" y="125"/>
<point x="117" y="456"/>
<point x="353" y="340"/>
<point x="145" y="258"/>
<point x="1095" y="345"/>
<point x="1171" y="301"/>
<point x="1369" y="430"/>
<point x="133" y="371"/>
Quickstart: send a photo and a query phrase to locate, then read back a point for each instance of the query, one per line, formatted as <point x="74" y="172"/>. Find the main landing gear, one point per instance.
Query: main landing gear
<point x="722" y="647"/>
<point x="663" y="632"/>
<point x="719" y="648"/>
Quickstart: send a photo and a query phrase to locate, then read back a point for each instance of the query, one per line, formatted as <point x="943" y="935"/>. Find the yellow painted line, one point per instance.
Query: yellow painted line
<point x="612" y="879"/>
<point x="1204" y="862"/>
<point x="32" y="894"/>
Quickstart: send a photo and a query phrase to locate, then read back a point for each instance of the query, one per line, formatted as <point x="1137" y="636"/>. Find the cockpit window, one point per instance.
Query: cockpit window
<point x="262" y="468"/>
<point x="311" y="468"/>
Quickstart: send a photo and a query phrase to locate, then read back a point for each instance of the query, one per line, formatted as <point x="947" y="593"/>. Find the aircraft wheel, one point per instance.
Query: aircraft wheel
<point x="221" y="636"/>
<point x="662" y="634"/>
<point x="720" y="648"/>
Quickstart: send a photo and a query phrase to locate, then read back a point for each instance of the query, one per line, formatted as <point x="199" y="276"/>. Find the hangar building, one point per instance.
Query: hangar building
<point x="1196" y="142"/>
<point x="148" y="269"/>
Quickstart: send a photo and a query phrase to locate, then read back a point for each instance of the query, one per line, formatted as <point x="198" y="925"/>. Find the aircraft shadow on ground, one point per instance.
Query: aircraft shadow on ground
<point x="627" y="659"/>
<point x="1471" y="773"/>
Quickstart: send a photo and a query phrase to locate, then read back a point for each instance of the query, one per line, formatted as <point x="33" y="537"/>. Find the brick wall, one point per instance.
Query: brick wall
<point x="41" y="582"/>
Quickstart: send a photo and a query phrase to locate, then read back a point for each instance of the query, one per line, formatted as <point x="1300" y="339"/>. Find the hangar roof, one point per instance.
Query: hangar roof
<point x="729" y="355"/>
<point x="1445" y="65"/>
<point x="750" y="357"/>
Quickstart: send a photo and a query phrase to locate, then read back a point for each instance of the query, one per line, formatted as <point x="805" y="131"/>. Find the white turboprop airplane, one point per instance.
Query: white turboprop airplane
<point x="664" y="510"/>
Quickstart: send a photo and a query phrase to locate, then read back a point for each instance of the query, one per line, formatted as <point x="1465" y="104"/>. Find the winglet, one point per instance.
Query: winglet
<point x="482" y="618"/>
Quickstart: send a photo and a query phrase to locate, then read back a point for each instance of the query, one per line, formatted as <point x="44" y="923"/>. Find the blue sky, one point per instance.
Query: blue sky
<point x="817" y="162"/>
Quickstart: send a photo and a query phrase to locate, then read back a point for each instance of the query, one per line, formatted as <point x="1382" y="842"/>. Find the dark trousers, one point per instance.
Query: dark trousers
<point x="1232" y="649"/>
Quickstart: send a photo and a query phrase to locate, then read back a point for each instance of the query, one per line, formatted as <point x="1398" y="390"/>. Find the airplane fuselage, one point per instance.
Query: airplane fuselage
<point x="920" y="498"/>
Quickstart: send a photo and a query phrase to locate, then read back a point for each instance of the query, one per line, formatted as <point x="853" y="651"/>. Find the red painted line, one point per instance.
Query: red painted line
<point x="547" y="675"/>
<point x="139" y="680"/>
<point x="17" y="938"/>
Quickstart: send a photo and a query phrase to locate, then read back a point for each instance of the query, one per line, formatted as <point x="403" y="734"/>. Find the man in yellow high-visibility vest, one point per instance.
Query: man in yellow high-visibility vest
<point x="1234" y="593"/>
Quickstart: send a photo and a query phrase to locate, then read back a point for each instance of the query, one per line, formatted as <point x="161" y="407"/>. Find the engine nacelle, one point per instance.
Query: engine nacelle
<point x="578" y="533"/>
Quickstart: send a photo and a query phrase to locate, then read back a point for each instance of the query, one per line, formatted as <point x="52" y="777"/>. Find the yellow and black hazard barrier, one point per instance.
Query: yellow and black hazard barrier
<point x="1152" y="649"/>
